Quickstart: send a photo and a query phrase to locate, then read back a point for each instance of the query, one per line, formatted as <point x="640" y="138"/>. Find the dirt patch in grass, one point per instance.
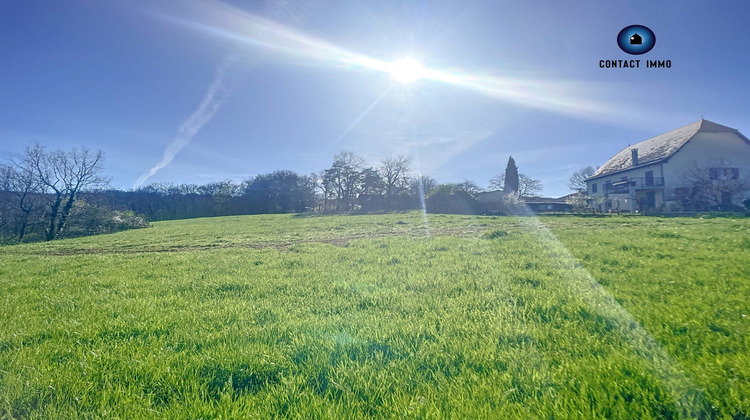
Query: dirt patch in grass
<point x="342" y="241"/>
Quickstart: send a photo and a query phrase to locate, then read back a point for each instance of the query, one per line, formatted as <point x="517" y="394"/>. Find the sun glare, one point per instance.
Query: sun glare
<point x="406" y="70"/>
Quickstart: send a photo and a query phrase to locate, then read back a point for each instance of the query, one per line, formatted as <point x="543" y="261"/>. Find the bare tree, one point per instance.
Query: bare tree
<point x="529" y="187"/>
<point x="346" y="177"/>
<point x="21" y="182"/>
<point x="469" y="186"/>
<point x="6" y="207"/>
<point x="61" y="177"/>
<point x="578" y="179"/>
<point x="315" y="187"/>
<point x="324" y="184"/>
<point x="394" y="172"/>
<point x="497" y="182"/>
<point x="421" y="186"/>
<point x="372" y="182"/>
<point x="712" y="184"/>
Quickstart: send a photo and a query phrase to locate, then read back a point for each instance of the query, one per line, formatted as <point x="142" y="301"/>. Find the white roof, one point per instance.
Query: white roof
<point x="661" y="147"/>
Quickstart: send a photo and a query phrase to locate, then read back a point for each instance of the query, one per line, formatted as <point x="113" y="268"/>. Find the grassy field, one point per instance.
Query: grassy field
<point x="381" y="317"/>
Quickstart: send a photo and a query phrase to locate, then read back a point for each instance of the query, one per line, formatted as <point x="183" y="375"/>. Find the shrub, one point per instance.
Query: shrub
<point x="455" y="202"/>
<point x="513" y="203"/>
<point x="579" y="202"/>
<point x="92" y="219"/>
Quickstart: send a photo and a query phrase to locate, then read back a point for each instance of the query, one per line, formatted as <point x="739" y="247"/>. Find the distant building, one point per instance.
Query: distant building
<point x="493" y="201"/>
<point x="495" y="196"/>
<point x="700" y="164"/>
<point x="549" y="205"/>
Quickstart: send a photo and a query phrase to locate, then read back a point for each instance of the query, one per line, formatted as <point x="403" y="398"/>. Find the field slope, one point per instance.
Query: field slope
<point x="381" y="316"/>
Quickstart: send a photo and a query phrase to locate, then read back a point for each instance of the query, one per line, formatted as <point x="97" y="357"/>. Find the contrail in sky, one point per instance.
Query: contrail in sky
<point x="215" y="95"/>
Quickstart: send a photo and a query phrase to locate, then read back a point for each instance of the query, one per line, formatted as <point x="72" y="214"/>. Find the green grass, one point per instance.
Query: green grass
<point x="380" y="317"/>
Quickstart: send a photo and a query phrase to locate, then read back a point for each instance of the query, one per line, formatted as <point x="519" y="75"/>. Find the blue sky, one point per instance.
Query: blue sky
<point x="227" y="90"/>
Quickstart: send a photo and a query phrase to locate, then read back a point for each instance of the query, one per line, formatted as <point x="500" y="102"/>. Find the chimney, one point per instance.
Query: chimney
<point x="634" y="153"/>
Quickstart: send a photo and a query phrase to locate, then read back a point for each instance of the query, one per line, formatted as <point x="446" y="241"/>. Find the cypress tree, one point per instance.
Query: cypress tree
<point x="511" y="176"/>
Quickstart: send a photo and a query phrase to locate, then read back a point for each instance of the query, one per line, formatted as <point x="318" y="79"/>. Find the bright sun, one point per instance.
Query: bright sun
<point x="406" y="70"/>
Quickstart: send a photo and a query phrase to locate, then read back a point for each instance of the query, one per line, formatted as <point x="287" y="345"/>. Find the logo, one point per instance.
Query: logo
<point x="636" y="39"/>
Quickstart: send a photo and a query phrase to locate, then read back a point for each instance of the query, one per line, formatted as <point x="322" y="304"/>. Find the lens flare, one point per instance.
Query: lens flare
<point x="290" y="46"/>
<point x="406" y="70"/>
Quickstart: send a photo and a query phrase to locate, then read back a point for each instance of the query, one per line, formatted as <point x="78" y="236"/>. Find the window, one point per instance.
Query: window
<point x="724" y="173"/>
<point x="593" y="187"/>
<point x="649" y="178"/>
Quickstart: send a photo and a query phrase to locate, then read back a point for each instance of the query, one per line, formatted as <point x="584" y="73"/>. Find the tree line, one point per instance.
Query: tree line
<point x="46" y="195"/>
<point x="40" y="191"/>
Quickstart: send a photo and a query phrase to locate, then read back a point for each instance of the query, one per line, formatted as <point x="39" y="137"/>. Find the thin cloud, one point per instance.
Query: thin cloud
<point x="213" y="99"/>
